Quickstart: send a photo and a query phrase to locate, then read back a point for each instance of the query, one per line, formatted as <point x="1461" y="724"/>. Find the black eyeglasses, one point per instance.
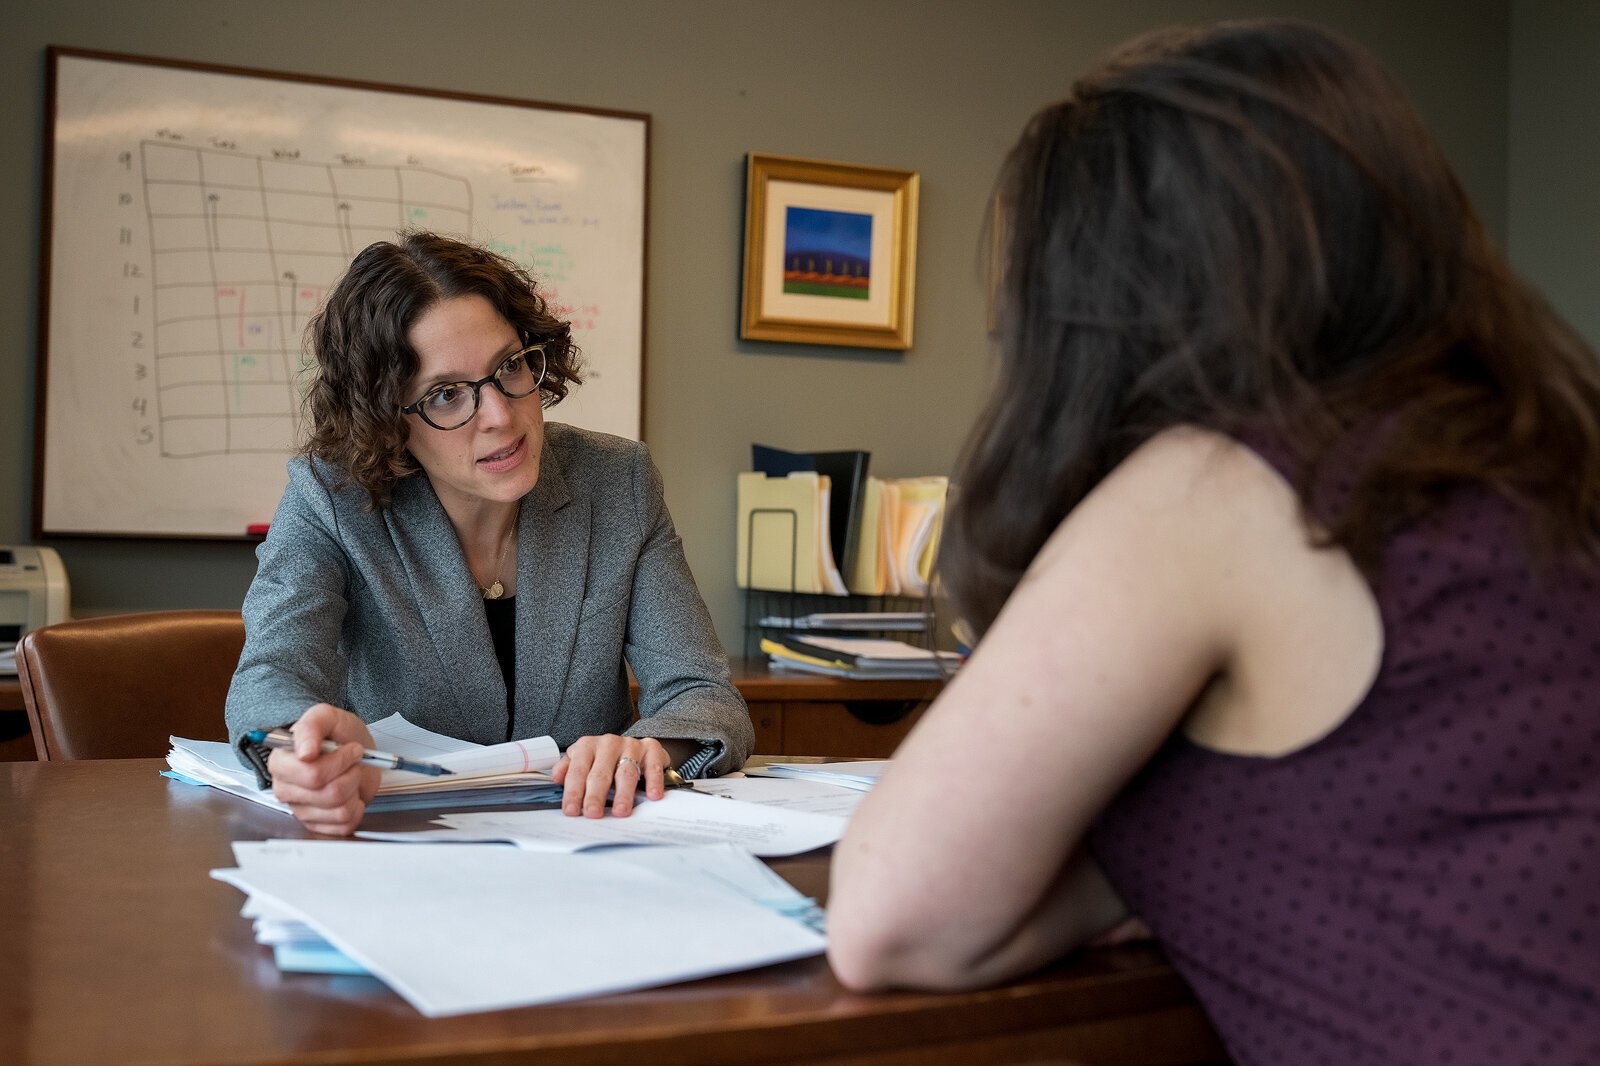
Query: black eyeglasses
<point x="454" y="403"/>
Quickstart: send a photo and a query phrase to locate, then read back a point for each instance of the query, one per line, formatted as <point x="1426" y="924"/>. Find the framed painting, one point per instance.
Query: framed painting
<point x="829" y="253"/>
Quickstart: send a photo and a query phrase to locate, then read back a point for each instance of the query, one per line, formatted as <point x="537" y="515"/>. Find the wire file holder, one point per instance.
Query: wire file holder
<point x="790" y="603"/>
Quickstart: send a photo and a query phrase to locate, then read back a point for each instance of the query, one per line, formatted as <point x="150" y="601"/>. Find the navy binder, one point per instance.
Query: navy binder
<point x="847" y="473"/>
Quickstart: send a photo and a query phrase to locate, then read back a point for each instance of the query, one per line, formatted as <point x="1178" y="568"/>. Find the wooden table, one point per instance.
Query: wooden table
<point x="116" y="947"/>
<point x="794" y="714"/>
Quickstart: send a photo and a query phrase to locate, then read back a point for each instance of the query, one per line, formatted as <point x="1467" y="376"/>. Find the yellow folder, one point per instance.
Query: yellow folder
<point x="871" y="573"/>
<point x="917" y="534"/>
<point x="901" y="519"/>
<point x="783" y="540"/>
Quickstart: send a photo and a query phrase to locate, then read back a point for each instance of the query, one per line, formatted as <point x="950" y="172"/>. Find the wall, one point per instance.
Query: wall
<point x="939" y="87"/>
<point x="1554" y="151"/>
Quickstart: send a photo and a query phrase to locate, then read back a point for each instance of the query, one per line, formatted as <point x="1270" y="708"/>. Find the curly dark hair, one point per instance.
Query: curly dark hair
<point x="1247" y="228"/>
<point x="364" y="359"/>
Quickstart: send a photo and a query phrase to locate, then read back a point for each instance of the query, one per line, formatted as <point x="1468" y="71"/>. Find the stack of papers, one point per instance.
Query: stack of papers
<point x="876" y="621"/>
<point x="859" y="776"/>
<point x="471" y="928"/>
<point x="857" y="657"/>
<point x="564" y="913"/>
<point x="514" y="772"/>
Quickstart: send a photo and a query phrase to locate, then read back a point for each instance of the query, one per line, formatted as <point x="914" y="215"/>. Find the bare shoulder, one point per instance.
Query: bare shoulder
<point x="1225" y="534"/>
<point x="1188" y="491"/>
<point x="1184" y="462"/>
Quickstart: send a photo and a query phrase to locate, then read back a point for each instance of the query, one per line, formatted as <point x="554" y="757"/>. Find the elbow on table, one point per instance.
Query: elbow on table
<point x="868" y="957"/>
<point x="858" y="967"/>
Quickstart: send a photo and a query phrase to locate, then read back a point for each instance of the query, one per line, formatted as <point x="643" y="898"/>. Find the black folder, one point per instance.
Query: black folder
<point x="847" y="474"/>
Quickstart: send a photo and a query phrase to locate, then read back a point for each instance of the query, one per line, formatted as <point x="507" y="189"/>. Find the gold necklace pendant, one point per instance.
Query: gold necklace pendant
<point x="496" y="590"/>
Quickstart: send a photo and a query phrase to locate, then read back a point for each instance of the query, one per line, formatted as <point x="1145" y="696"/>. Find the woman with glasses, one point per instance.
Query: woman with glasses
<point x="1281" y="536"/>
<point x="443" y="552"/>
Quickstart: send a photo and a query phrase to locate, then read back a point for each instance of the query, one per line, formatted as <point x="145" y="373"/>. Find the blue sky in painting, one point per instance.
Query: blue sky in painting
<point x="808" y="231"/>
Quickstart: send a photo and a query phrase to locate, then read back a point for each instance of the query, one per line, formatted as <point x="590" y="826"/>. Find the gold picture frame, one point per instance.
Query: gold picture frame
<point x="829" y="253"/>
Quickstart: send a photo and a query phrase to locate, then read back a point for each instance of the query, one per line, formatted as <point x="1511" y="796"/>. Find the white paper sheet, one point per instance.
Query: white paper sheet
<point x="860" y="774"/>
<point x="493" y="762"/>
<point x="791" y="793"/>
<point x="462" y="929"/>
<point x="722" y="866"/>
<point x="725" y="865"/>
<point x="680" y="818"/>
<point x="402" y="737"/>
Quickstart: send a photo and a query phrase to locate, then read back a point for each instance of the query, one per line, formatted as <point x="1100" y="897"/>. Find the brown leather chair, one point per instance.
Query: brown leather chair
<point x="117" y="687"/>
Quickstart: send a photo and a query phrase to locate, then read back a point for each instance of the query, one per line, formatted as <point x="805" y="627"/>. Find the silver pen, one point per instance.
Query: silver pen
<point x="278" y="738"/>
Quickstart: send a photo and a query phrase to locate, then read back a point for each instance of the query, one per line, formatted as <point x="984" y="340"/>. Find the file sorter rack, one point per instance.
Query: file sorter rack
<point x="791" y="603"/>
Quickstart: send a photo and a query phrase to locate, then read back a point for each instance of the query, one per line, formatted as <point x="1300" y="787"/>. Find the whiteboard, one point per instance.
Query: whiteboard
<point x="197" y="215"/>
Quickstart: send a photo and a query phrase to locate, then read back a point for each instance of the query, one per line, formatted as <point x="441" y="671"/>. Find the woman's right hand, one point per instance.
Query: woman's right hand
<point x="329" y="792"/>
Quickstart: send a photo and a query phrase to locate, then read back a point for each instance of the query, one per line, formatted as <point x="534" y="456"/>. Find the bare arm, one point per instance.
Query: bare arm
<point x="964" y="866"/>
<point x="1076" y="907"/>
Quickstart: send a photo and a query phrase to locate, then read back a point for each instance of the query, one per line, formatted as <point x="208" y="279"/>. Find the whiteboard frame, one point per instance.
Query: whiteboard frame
<point x="47" y="240"/>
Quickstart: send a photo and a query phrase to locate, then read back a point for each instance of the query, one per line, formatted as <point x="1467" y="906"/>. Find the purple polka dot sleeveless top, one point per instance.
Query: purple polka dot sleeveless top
<point x="1422" y="885"/>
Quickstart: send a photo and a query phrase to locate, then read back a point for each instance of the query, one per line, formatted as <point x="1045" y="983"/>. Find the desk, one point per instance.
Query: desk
<point x="116" y="947"/>
<point x="794" y="714"/>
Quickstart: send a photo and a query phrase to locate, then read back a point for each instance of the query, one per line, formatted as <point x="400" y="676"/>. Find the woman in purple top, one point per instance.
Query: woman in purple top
<point x="1280" y="536"/>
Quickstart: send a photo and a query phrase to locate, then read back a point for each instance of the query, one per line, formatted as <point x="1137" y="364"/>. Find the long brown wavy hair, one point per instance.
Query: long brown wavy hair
<point x="363" y="354"/>
<point x="1245" y="228"/>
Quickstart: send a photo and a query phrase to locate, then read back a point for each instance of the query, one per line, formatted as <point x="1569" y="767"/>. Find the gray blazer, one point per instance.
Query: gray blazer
<point x="376" y="611"/>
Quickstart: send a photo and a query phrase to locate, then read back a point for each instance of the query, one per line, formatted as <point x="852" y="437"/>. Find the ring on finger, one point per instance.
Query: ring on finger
<point x="628" y="760"/>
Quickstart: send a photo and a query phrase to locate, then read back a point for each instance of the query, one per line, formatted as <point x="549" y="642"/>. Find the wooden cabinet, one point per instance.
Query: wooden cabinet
<point x="804" y="714"/>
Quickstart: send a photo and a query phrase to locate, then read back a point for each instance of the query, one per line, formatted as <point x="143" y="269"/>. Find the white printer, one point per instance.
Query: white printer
<point x="33" y="593"/>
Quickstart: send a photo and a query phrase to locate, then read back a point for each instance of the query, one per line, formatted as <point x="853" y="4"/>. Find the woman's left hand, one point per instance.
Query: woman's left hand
<point x="593" y="766"/>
